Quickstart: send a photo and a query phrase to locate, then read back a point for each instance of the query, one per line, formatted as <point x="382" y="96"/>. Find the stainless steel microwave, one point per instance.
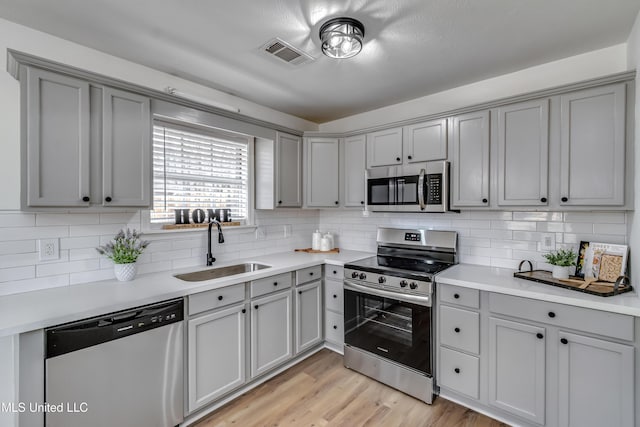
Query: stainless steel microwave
<point x="426" y="190"/>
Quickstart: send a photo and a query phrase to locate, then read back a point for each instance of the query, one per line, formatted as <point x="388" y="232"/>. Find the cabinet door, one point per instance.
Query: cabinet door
<point x="592" y="146"/>
<point x="57" y="140"/>
<point x="308" y="315"/>
<point x="425" y="141"/>
<point x="517" y="368"/>
<point x="354" y="170"/>
<point x="523" y="154"/>
<point x="288" y="171"/>
<point x="596" y="382"/>
<point x="470" y="160"/>
<point x="384" y="148"/>
<point x="271" y="338"/>
<point x="126" y="149"/>
<point x="216" y="340"/>
<point x="323" y="176"/>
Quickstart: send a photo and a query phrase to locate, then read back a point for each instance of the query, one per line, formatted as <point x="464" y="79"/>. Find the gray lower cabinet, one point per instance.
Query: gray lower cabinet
<point x="308" y="315"/>
<point x="271" y="333"/>
<point x="596" y="382"/>
<point x="517" y="369"/>
<point x="216" y="354"/>
<point x="334" y="307"/>
<point x="56" y="109"/>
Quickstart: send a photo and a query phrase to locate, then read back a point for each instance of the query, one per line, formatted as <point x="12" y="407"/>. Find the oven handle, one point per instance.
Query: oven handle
<point x="421" y="190"/>
<point x="414" y="299"/>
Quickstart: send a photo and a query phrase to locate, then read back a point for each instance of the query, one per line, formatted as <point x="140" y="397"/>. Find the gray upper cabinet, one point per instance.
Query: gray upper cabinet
<point x="592" y="146"/>
<point x="523" y="154"/>
<point x="517" y="368"/>
<point x="322" y="172"/>
<point x="288" y="171"/>
<point x="271" y="334"/>
<point x="424" y="142"/>
<point x="470" y="160"/>
<point x="126" y="149"/>
<point x="309" y="321"/>
<point x="85" y="145"/>
<point x="596" y="382"/>
<point x="384" y="148"/>
<point x="354" y="151"/>
<point x="57" y="139"/>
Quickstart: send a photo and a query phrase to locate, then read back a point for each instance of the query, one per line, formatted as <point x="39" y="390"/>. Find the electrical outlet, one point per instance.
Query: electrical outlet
<point x="49" y="249"/>
<point x="261" y="234"/>
<point x="365" y="212"/>
<point x="547" y="242"/>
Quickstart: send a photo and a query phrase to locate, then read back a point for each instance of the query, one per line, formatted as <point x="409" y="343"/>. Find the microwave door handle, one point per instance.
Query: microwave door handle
<point x="421" y="190"/>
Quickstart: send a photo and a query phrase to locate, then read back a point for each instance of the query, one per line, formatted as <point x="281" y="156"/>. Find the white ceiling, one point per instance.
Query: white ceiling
<point x="412" y="47"/>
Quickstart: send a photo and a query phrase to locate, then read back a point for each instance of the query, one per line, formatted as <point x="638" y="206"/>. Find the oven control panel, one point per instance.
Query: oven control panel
<point x="413" y="237"/>
<point x="385" y="281"/>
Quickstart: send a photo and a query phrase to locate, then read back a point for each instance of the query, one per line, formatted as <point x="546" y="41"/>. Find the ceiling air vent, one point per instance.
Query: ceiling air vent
<point x="285" y="52"/>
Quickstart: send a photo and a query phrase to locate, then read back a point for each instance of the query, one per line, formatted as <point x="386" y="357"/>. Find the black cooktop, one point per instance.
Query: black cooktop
<point x="398" y="266"/>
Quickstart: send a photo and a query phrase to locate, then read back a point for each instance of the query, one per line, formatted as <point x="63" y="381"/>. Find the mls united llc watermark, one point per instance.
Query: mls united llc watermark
<point x="39" y="407"/>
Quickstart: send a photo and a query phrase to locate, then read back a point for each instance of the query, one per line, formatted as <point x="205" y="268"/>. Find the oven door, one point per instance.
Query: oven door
<point x="394" y="327"/>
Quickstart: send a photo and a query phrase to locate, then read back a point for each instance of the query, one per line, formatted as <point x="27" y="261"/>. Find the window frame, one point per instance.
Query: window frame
<point x="149" y="227"/>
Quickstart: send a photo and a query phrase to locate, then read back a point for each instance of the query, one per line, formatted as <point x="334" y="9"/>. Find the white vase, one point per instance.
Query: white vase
<point x="125" y="272"/>
<point x="560" y="272"/>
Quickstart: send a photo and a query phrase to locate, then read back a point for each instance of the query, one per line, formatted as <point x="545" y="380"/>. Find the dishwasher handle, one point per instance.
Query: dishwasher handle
<point x="97" y="330"/>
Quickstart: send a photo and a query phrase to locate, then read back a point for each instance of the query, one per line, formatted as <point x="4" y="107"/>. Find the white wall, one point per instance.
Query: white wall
<point x="569" y="70"/>
<point x="37" y="43"/>
<point x="633" y="58"/>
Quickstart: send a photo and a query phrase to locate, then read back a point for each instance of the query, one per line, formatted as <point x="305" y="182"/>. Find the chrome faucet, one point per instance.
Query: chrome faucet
<point x="210" y="258"/>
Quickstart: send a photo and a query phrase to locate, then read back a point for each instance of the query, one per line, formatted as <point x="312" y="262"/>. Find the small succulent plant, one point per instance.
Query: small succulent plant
<point x="125" y="248"/>
<point x="561" y="257"/>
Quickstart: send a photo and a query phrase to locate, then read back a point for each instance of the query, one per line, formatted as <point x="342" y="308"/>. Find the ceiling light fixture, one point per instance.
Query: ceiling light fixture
<point x="341" y="37"/>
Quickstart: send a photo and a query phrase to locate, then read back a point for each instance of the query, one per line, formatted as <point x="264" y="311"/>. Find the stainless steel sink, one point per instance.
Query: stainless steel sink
<point x="216" y="273"/>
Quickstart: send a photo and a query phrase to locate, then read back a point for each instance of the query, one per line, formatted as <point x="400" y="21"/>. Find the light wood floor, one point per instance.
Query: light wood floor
<point x="320" y="391"/>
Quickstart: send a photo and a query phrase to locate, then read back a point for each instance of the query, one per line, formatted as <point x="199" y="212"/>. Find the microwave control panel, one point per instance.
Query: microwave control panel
<point x="434" y="189"/>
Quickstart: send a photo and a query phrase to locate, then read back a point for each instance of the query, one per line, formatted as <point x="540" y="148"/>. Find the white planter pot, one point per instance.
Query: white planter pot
<point x="560" y="272"/>
<point x="125" y="272"/>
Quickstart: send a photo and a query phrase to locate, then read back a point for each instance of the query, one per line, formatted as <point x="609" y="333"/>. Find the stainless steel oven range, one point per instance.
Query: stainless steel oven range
<point x="388" y="322"/>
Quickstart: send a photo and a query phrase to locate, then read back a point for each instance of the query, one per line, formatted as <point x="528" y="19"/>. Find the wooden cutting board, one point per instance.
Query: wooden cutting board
<point x="314" y="251"/>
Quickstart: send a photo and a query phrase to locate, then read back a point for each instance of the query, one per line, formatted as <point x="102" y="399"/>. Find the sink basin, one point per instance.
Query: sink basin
<point x="216" y="273"/>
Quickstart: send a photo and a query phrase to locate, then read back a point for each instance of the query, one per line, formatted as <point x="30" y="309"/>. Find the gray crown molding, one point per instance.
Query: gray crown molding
<point x="556" y="90"/>
<point x="17" y="59"/>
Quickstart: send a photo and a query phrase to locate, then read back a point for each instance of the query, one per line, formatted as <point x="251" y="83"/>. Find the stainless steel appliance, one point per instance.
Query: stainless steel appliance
<point x="421" y="187"/>
<point x="123" y="369"/>
<point x="388" y="321"/>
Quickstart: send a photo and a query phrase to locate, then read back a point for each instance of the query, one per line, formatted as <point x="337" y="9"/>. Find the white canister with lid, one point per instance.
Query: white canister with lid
<point x="329" y="237"/>
<point x="316" y="237"/>
<point x="325" y="244"/>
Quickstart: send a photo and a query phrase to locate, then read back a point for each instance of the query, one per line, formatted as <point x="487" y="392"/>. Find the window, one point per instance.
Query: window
<point x="199" y="168"/>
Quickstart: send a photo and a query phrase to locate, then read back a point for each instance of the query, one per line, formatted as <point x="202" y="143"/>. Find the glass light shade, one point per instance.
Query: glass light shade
<point x="341" y="37"/>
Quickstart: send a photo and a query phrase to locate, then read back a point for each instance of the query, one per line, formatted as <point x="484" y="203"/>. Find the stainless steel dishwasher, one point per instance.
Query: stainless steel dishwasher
<point x="123" y="369"/>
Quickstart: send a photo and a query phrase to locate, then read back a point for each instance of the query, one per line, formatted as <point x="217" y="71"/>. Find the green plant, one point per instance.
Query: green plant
<point x="561" y="257"/>
<point x="125" y="248"/>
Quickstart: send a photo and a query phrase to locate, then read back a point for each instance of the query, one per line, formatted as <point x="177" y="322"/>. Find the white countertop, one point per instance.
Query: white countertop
<point x="501" y="280"/>
<point x="41" y="309"/>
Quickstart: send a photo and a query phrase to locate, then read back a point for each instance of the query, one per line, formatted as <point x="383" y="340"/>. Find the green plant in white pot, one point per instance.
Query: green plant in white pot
<point x="124" y="252"/>
<point x="561" y="260"/>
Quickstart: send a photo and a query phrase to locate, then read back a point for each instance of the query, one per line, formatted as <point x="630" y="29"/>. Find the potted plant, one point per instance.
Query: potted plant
<point x="124" y="252"/>
<point x="561" y="260"/>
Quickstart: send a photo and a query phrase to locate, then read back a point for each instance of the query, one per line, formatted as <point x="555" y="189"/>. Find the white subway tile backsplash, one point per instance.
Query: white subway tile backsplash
<point x="108" y="230"/>
<point x="91" y="276"/>
<point x="18" y="260"/>
<point x="79" y="242"/>
<point x="46" y="219"/>
<point x="537" y="216"/>
<point x="27" y="233"/>
<point x="83" y="253"/>
<point x="29" y="285"/>
<point x="17" y="273"/>
<point x="121" y="218"/>
<point x="513" y="225"/>
<point x="620" y="229"/>
<point x="17" y="247"/>
<point x="17" y="219"/>
<point x="66" y="267"/>
<point x="596" y="217"/>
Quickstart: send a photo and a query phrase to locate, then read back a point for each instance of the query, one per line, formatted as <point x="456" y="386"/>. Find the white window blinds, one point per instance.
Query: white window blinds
<point x="196" y="168"/>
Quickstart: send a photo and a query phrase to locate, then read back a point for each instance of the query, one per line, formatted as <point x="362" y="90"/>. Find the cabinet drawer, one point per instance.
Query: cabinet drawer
<point x="215" y="298"/>
<point x="333" y="296"/>
<point x="460" y="296"/>
<point x="460" y="329"/>
<point x="334" y="327"/>
<point x="305" y="275"/>
<point x="270" y="284"/>
<point x="583" y="319"/>
<point x="333" y="272"/>
<point x="460" y="372"/>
